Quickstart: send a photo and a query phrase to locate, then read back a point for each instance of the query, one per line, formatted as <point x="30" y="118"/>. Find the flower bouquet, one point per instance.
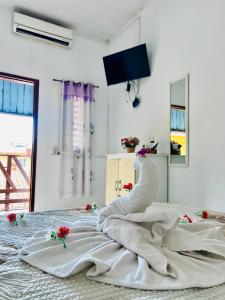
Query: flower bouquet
<point x="130" y="143"/>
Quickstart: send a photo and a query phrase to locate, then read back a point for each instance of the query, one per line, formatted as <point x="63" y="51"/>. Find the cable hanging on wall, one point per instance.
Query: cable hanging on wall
<point x="132" y="90"/>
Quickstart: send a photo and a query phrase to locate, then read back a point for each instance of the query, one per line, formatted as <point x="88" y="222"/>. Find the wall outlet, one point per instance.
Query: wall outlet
<point x="55" y="150"/>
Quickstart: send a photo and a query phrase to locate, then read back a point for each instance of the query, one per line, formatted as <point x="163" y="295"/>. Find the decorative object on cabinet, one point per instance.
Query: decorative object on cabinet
<point x="144" y="151"/>
<point x="130" y="143"/>
<point x="147" y="150"/>
<point x="120" y="170"/>
<point x="153" y="146"/>
<point x="130" y="149"/>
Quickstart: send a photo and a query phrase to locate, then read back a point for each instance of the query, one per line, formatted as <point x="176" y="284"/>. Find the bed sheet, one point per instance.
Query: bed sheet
<point x="45" y="286"/>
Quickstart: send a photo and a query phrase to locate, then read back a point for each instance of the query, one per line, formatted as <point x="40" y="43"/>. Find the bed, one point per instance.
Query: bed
<point x="40" y="285"/>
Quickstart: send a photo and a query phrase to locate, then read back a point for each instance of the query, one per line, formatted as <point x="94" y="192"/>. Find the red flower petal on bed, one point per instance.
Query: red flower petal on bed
<point x="188" y="218"/>
<point x="11" y="217"/>
<point x="88" y="207"/>
<point x="63" y="232"/>
<point x="204" y="214"/>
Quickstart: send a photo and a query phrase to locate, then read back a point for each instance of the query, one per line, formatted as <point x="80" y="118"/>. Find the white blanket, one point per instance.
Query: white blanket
<point x="146" y="250"/>
<point x="141" y="196"/>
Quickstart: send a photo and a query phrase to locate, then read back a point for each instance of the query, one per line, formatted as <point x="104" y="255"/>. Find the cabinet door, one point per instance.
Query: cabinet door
<point x="126" y="174"/>
<point x="111" y="180"/>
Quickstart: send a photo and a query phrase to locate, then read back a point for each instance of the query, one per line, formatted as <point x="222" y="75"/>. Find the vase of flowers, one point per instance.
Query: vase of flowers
<point x="130" y="143"/>
<point x="130" y="149"/>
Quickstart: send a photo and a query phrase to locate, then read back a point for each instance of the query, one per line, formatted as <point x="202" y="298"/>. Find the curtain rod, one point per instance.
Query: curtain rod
<point x="58" y="80"/>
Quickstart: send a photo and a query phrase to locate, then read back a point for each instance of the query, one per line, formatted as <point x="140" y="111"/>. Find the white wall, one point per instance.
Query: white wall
<point x="182" y="37"/>
<point x="31" y="58"/>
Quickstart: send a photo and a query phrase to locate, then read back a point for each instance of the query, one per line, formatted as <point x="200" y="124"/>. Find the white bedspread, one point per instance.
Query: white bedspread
<point x="145" y="250"/>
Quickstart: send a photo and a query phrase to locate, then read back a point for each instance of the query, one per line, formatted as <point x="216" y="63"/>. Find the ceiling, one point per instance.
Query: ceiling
<point x="96" y="19"/>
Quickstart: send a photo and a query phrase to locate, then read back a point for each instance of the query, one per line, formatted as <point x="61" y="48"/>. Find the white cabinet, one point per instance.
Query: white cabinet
<point x="120" y="171"/>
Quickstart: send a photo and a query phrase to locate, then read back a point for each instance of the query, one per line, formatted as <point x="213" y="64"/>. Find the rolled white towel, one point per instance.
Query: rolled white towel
<point x="140" y="197"/>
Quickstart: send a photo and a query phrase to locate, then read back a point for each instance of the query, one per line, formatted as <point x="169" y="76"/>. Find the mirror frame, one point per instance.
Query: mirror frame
<point x="186" y="78"/>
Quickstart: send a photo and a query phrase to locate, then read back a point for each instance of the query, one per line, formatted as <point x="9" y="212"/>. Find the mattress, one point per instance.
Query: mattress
<point x="45" y="286"/>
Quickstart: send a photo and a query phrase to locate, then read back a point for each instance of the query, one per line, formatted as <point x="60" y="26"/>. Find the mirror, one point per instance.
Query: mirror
<point x="179" y="121"/>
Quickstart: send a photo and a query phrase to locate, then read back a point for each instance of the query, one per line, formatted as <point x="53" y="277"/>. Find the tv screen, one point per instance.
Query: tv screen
<point x="127" y="65"/>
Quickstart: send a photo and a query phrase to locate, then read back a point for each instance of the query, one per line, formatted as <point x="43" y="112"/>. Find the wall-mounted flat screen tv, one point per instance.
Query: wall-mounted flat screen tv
<point x="127" y="65"/>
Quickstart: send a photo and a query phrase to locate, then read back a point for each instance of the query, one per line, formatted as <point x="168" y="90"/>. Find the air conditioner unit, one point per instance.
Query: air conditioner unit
<point x="42" y="30"/>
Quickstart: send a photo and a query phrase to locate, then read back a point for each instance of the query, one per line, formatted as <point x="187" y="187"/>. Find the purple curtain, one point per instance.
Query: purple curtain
<point x="78" y="90"/>
<point x="77" y="135"/>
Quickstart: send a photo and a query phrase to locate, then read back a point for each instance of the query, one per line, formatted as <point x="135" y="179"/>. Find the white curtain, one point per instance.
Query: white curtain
<point x="77" y="130"/>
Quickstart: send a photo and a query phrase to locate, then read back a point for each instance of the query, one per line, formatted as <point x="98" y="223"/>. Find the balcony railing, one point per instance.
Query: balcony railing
<point x="14" y="181"/>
